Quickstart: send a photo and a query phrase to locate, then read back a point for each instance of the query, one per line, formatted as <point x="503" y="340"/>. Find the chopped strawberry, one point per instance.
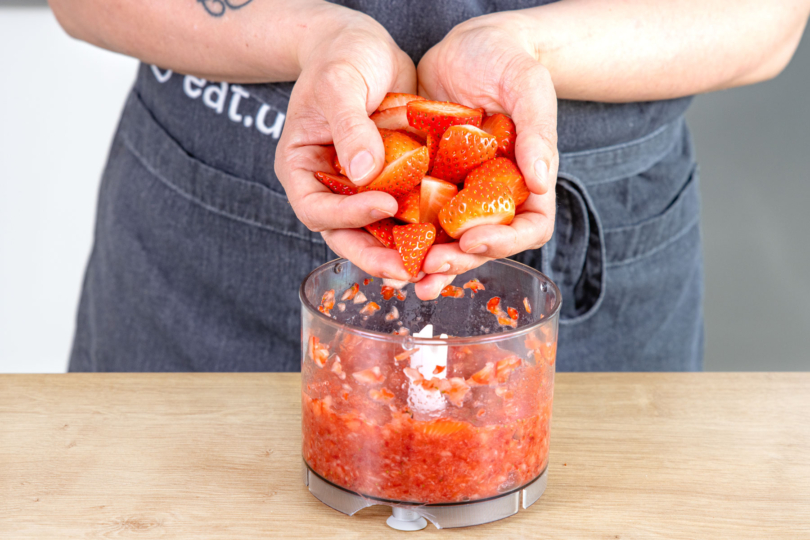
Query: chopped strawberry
<point x="405" y="354"/>
<point x="434" y="194"/>
<point x="483" y="203"/>
<point x="397" y="143"/>
<point x="513" y="313"/>
<point x="328" y="301"/>
<point x="413" y="375"/>
<point x="503" y="128"/>
<point x="370" y="309"/>
<point x="412" y="243"/>
<point x="383" y="231"/>
<point x="383" y="394"/>
<point x="401" y="175"/>
<point x="392" y="100"/>
<point x="350" y="292"/>
<point x="506" y="321"/>
<point x="505" y="367"/>
<point x="369" y="280"/>
<point x="318" y="352"/>
<point x="453" y="292"/>
<point x="401" y="295"/>
<point x="336" y="183"/>
<point x="438" y="369"/>
<point x="456" y="392"/>
<point x="462" y="149"/>
<point x="475" y="286"/>
<point x="341" y="306"/>
<point x="527" y="305"/>
<point x="360" y="298"/>
<point x="395" y="118"/>
<point x="409" y="207"/>
<point x="387" y="292"/>
<point x="392" y="315"/>
<point x="484" y="376"/>
<point x="442" y="426"/>
<point x="337" y="368"/>
<point x="494" y="305"/>
<point x="502" y="170"/>
<point x="369" y="376"/>
<point x="435" y="117"/>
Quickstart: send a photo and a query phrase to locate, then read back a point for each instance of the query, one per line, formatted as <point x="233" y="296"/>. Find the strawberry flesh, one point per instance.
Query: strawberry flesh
<point x="462" y="149"/>
<point x="336" y="183"/>
<point x="434" y="194"/>
<point x="413" y="242"/>
<point x="393" y="99"/>
<point x="482" y="203"/>
<point x="397" y="144"/>
<point x="403" y="174"/>
<point x="409" y="207"/>
<point x="395" y="118"/>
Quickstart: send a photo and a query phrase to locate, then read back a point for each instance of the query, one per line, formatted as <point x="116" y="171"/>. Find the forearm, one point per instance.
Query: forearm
<point x="636" y="50"/>
<point x="261" y="41"/>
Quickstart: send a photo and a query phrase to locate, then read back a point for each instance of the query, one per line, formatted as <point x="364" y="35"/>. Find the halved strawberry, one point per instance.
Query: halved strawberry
<point x="393" y="99"/>
<point x="432" y="142"/>
<point x="433" y="195"/>
<point x="397" y="144"/>
<point x="483" y="203"/>
<point x="409" y="207"/>
<point x="395" y="118"/>
<point x="435" y="117"/>
<point x="401" y="175"/>
<point x="462" y="149"/>
<point x="383" y="231"/>
<point x="336" y="183"/>
<point x="504" y="130"/>
<point x="502" y="170"/>
<point x="412" y="243"/>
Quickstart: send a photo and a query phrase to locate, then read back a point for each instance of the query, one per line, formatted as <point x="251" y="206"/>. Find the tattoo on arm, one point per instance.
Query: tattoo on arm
<point x="217" y="8"/>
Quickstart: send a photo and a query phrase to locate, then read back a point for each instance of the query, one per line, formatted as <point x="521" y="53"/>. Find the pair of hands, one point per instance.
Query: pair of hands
<point x="346" y="73"/>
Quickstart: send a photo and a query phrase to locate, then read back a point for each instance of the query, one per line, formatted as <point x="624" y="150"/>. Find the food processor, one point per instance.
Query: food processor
<point x="440" y="409"/>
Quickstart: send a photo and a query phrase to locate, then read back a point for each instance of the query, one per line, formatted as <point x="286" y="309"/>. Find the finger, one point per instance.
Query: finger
<point x="450" y="259"/>
<point x="431" y="286"/>
<point x="527" y="93"/>
<point x="366" y="253"/>
<point x="343" y="94"/>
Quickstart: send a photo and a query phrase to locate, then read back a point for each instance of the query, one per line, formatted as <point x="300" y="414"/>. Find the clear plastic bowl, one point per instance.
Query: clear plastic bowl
<point x="398" y="418"/>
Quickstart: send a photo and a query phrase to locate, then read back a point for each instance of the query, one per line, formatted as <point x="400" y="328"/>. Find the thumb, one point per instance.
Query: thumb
<point x="356" y="138"/>
<point x="528" y="95"/>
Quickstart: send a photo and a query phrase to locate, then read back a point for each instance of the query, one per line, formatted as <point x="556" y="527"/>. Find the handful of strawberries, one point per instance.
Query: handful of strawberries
<point x="450" y="168"/>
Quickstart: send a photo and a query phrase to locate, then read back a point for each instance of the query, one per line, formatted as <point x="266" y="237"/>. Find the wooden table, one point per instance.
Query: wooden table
<point x="194" y="456"/>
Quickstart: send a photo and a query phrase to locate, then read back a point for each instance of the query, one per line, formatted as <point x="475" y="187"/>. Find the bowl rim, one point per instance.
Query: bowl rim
<point x="454" y="341"/>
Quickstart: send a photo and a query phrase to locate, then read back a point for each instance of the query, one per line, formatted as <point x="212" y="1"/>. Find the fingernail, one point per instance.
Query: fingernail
<point x="541" y="171"/>
<point x="361" y="165"/>
<point x="380" y="214"/>
<point x="480" y="248"/>
<point x="442" y="269"/>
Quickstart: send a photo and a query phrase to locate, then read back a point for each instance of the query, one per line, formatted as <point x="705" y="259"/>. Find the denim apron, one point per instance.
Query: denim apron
<point x="198" y="256"/>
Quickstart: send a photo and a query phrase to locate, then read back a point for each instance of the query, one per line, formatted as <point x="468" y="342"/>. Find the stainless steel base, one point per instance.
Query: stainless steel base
<point x="443" y="516"/>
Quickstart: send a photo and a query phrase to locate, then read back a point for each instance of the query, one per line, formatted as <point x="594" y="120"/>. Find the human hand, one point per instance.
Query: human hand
<point x="484" y="62"/>
<point x="349" y="62"/>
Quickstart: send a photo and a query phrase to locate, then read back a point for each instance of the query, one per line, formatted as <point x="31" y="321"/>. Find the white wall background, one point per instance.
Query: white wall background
<point x="59" y="103"/>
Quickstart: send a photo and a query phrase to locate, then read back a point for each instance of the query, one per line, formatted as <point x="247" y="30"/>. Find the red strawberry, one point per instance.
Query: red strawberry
<point x="483" y="203"/>
<point x="337" y="183"/>
<point x="397" y="144"/>
<point x="502" y="127"/>
<point x="453" y="292"/>
<point x="432" y="142"/>
<point x="502" y="170"/>
<point x="442" y="237"/>
<point x="333" y="160"/>
<point x="409" y="207"/>
<point x="434" y="194"/>
<point x="395" y="118"/>
<point x="401" y="175"/>
<point x="462" y="149"/>
<point x="435" y="117"/>
<point x="413" y="242"/>
<point x="392" y="100"/>
<point x="383" y="231"/>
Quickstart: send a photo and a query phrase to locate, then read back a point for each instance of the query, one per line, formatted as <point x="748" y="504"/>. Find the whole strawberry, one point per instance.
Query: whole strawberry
<point x="483" y="203"/>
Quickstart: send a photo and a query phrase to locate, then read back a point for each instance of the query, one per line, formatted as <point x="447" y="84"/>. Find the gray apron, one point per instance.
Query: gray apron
<point x="198" y="256"/>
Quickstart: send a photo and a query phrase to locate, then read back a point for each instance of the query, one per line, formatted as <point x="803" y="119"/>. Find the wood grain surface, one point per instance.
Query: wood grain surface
<point x="217" y="456"/>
